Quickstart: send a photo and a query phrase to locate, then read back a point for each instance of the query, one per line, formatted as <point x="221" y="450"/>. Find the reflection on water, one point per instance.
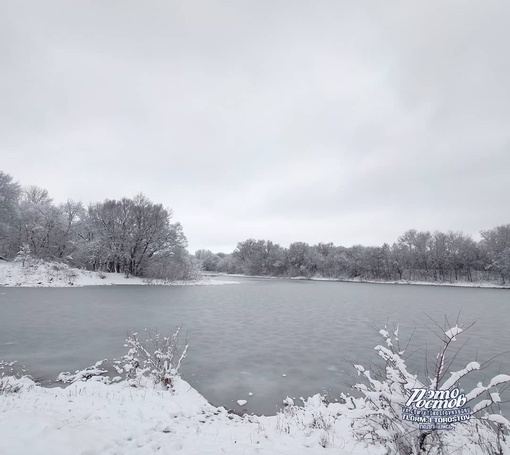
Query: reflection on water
<point x="272" y="338"/>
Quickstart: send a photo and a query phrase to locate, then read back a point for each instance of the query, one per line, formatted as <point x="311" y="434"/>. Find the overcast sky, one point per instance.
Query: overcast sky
<point x="342" y="121"/>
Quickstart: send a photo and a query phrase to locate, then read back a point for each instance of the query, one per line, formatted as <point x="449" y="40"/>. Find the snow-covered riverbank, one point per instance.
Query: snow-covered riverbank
<point x="94" y="418"/>
<point x="464" y="284"/>
<point x="39" y="273"/>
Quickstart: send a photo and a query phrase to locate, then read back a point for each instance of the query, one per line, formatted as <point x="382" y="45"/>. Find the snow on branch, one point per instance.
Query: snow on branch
<point x="457" y="375"/>
<point x="453" y="332"/>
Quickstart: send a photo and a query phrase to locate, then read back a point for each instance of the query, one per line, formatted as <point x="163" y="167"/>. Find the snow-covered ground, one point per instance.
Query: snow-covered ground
<point x="467" y="284"/>
<point x="39" y="273"/>
<point x="95" y="418"/>
<point x="90" y="418"/>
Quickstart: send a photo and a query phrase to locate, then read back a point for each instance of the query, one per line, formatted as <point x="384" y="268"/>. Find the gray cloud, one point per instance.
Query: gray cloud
<point x="333" y="121"/>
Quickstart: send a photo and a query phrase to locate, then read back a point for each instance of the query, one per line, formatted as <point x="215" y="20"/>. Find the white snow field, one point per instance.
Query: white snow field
<point x="38" y="273"/>
<point x="93" y="418"/>
<point x="98" y="418"/>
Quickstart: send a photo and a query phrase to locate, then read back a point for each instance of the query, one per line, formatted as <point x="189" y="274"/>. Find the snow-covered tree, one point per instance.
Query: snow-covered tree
<point x="496" y="245"/>
<point x="10" y="193"/>
<point x="24" y="254"/>
<point x="131" y="234"/>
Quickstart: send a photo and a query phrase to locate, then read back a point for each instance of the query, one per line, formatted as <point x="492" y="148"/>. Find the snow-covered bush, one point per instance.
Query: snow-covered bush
<point x="153" y="362"/>
<point x="156" y="360"/>
<point x="24" y="254"/>
<point x="387" y="390"/>
<point x="177" y="267"/>
<point x="94" y="372"/>
<point x="7" y="385"/>
<point x="315" y="419"/>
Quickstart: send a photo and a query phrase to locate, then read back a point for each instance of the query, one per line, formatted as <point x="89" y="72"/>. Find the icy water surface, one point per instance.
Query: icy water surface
<point x="272" y="338"/>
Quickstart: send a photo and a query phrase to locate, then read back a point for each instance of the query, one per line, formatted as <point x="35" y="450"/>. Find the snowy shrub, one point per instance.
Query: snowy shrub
<point x="156" y="361"/>
<point x="24" y="254"/>
<point x="7" y="387"/>
<point x="315" y="419"/>
<point x="6" y="381"/>
<point x="325" y="439"/>
<point x="387" y="389"/>
<point x="179" y="267"/>
<point x="94" y="372"/>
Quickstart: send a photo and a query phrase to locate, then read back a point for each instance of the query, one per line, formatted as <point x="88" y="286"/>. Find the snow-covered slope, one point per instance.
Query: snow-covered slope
<point x="90" y="418"/>
<point x="37" y="273"/>
<point x="95" y="418"/>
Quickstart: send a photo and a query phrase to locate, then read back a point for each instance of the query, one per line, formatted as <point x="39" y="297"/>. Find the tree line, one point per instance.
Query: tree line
<point x="137" y="237"/>
<point x="415" y="256"/>
<point x="131" y="235"/>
